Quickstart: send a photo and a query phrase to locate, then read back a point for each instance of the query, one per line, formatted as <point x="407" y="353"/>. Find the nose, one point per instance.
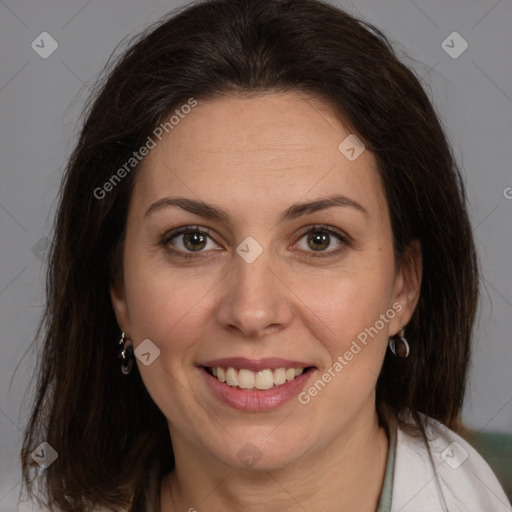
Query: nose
<point x="255" y="301"/>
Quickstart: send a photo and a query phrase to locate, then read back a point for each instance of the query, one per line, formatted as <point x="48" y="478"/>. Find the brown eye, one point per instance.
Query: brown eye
<point x="319" y="240"/>
<point x="184" y="241"/>
<point x="194" y="240"/>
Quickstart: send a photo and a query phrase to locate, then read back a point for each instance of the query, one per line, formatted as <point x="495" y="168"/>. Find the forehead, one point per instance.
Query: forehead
<point x="277" y="147"/>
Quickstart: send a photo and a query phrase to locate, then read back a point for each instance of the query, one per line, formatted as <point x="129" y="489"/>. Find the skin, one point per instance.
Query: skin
<point x="254" y="157"/>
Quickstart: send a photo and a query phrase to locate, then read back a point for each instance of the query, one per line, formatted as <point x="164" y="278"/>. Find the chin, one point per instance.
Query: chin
<point x="262" y="451"/>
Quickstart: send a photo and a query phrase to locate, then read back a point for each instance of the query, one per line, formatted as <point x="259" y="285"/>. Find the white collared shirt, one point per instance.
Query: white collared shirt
<point x="453" y="477"/>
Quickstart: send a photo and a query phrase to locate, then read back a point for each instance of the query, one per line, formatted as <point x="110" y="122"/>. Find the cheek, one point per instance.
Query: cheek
<point x="161" y="309"/>
<point x="345" y="304"/>
<point x="353" y="346"/>
<point x="167" y="304"/>
<point x="349" y="315"/>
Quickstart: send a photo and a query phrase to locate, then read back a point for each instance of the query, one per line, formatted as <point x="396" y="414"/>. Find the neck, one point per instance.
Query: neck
<point x="346" y="475"/>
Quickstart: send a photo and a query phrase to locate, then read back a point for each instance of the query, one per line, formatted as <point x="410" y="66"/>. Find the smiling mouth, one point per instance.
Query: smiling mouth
<point x="262" y="380"/>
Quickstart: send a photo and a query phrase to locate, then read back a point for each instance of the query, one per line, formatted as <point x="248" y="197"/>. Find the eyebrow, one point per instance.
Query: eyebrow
<point x="293" y="212"/>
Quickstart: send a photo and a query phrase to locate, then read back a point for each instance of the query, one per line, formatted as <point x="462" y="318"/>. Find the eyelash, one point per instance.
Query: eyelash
<point x="321" y="228"/>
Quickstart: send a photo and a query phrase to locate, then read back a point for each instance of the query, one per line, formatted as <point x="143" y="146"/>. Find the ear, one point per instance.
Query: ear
<point x="118" y="299"/>
<point x="407" y="285"/>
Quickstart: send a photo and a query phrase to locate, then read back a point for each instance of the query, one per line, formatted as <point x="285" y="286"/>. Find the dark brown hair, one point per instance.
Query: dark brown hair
<point x="104" y="425"/>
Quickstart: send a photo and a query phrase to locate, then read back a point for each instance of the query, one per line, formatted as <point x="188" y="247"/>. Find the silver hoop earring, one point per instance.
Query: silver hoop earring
<point x="401" y="349"/>
<point x="125" y="354"/>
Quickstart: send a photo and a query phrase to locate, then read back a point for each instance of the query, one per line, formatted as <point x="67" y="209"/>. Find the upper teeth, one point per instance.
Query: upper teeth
<point x="264" y="379"/>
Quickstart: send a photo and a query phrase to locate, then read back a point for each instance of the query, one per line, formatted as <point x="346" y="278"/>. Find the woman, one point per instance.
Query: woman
<point x="261" y="202"/>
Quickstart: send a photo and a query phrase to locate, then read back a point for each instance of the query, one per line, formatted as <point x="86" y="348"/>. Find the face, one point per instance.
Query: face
<point x="260" y="284"/>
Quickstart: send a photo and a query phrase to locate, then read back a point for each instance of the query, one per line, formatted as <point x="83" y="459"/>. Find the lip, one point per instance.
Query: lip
<point x="255" y="365"/>
<point x="258" y="400"/>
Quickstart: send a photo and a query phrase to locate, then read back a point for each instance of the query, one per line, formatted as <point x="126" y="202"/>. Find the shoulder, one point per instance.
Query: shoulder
<point x="448" y="474"/>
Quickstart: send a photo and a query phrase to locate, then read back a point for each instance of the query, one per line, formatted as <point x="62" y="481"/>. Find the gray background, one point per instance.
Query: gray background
<point x="40" y="100"/>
